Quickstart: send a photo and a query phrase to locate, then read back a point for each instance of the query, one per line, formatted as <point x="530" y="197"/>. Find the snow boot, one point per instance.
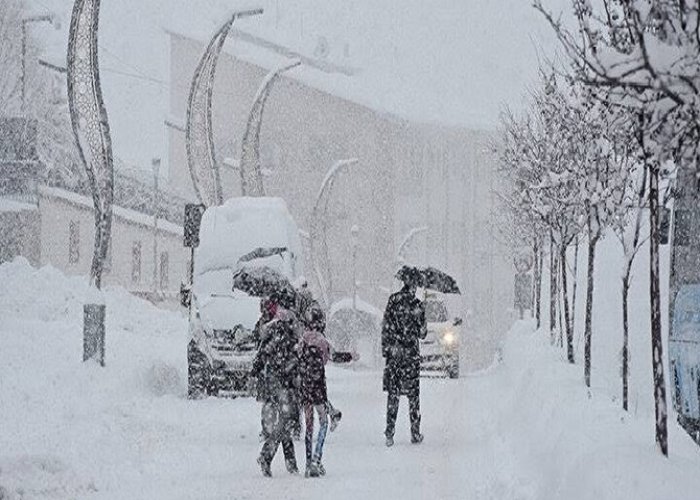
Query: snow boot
<point x="417" y="438"/>
<point x="264" y="466"/>
<point x="312" y="470"/>
<point x="389" y="441"/>
<point x="321" y="469"/>
<point x="291" y="466"/>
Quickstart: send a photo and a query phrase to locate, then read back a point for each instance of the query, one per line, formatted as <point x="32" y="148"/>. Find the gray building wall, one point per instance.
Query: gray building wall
<point x="299" y="144"/>
<point x="59" y="210"/>
<point x="409" y="175"/>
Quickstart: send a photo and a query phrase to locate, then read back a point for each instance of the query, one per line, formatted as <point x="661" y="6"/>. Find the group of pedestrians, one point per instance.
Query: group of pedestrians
<point x="290" y="368"/>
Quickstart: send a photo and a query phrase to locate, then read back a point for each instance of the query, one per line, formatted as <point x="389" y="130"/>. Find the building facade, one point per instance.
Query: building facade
<point x="409" y="175"/>
<point x="57" y="227"/>
<point x="52" y="225"/>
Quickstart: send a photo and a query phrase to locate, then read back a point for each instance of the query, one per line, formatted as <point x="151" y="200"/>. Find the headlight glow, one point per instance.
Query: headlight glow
<point x="449" y="337"/>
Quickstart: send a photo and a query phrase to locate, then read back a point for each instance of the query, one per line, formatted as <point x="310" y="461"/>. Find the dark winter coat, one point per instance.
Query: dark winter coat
<point x="315" y="353"/>
<point x="276" y="363"/>
<point x="402" y="328"/>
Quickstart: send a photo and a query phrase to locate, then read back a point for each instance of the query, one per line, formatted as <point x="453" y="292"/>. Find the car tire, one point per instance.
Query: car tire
<point x="453" y="370"/>
<point x="198" y="373"/>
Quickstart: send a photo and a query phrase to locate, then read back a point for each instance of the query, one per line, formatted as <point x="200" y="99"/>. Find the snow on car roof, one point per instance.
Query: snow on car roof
<point x="243" y="224"/>
<point x="361" y="305"/>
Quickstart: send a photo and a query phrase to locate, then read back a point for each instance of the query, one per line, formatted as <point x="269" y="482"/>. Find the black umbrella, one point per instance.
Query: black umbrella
<point x="262" y="252"/>
<point x="429" y="277"/>
<point x="410" y="275"/>
<point x="437" y="280"/>
<point x="264" y="281"/>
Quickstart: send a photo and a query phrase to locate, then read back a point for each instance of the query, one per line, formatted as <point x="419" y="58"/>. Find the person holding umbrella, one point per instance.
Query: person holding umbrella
<point x="403" y="327"/>
<point x="278" y="362"/>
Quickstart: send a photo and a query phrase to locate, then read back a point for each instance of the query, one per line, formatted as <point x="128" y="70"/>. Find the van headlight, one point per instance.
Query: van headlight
<point x="449" y="337"/>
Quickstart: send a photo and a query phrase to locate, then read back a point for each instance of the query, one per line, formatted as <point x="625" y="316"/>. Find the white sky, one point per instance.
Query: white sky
<point x="449" y="61"/>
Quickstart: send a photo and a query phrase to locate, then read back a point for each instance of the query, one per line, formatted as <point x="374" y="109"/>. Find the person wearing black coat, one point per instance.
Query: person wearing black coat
<point x="277" y="361"/>
<point x="403" y="327"/>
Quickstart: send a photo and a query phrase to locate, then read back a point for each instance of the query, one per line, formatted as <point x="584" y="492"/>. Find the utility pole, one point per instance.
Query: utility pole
<point x="155" y="163"/>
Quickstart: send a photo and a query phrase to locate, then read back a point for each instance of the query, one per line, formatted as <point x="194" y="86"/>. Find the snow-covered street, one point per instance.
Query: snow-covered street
<point x="523" y="429"/>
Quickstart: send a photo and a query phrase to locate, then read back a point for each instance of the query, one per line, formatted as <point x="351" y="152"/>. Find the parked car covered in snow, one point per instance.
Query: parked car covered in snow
<point x="221" y="321"/>
<point x="440" y="349"/>
<point x="355" y="326"/>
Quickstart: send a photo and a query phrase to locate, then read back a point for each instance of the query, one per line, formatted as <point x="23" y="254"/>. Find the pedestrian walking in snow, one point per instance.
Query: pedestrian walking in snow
<point x="267" y="313"/>
<point x="277" y="361"/>
<point x="402" y="329"/>
<point x="315" y="353"/>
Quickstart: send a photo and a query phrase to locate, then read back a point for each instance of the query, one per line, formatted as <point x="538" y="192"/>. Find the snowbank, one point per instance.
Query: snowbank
<point x="580" y="444"/>
<point x="527" y="428"/>
<point x="54" y="407"/>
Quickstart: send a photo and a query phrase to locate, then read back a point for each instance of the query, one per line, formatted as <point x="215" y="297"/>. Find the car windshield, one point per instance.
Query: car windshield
<point x="435" y="312"/>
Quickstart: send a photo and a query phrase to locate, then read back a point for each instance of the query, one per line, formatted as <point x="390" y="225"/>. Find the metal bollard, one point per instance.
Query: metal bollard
<point x="94" y="332"/>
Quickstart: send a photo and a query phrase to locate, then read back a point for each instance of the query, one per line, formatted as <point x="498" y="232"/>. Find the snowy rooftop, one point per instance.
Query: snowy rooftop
<point x="11" y="205"/>
<point x="123" y="213"/>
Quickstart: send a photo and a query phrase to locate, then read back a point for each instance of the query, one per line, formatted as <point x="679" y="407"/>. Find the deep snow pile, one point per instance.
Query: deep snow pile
<point x="607" y="322"/>
<point x="525" y="429"/>
<point x="51" y="403"/>
<point x="578" y="444"/>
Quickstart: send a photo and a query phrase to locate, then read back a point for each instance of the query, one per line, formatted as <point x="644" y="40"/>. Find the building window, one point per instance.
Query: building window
<point x="74" y="242"/>
<point x="164" y="271"/>
<point x="136" y="263"/>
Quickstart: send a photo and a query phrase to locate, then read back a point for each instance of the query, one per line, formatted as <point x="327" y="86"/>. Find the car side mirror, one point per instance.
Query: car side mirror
<point x="458" y="321"/>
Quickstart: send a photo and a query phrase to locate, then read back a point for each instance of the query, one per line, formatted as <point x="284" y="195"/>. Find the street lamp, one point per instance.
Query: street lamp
<point x="42" y="18"/>
<point x="354" y="241"/>
<point x="319" y="221"/>
<point x="407" y="240"/>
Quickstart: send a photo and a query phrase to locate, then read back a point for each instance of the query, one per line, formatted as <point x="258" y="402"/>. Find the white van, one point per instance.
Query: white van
<point x="221" y="321"/>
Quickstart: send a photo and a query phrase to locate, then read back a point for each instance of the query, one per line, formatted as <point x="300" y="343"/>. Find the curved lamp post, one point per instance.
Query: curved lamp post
<point x="407" y="240"/>
<point x="319" y="225"/>
<point x="92" y="137"/>
<point x="250" y="169"/>
<point x="199" y="138"/>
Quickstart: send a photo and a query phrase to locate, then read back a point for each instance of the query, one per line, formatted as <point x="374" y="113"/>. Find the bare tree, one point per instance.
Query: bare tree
<point x="647" y="56"/>
<point x="45" y="96"/>
<point x="627" y="226"/>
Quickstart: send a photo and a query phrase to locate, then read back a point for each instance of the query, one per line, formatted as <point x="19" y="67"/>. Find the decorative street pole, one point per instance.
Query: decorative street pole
<point x="92" y="138"/>
<point x="405" y="243"/>
<point x="354" y="241"/>
<point x="199" y="137"/>
<point x="250" y="168"/>
<point x="319" y="223"/>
